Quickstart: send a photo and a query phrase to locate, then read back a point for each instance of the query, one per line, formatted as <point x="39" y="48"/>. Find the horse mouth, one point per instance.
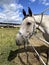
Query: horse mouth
<point x="18" y="43"/>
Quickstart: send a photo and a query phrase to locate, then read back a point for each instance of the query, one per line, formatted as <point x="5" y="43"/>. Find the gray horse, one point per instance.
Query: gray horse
<point x="29" y="25"/>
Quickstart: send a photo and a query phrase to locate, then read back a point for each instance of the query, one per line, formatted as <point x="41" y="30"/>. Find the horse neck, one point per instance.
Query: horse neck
<point x="39" y="23"/>
<point x="44" y="25"/>
<point x="40" y="27"/>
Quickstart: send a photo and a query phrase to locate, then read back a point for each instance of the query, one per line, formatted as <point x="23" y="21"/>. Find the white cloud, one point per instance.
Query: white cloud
<point x="12" y="6"/>
<point x="2" y="17"/>
<point x="11" y="11"/>
<point x="32" y="0"/>
<point x="8" y="1"/>
<point x="45" y="2"/>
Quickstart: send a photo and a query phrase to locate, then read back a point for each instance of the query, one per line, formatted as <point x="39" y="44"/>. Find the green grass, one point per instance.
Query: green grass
<point x="7" y="43"/>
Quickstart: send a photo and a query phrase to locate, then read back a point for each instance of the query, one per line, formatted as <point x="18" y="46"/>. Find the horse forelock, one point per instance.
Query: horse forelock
<point x="26" y="16"/>
<point x="28" y="19"/>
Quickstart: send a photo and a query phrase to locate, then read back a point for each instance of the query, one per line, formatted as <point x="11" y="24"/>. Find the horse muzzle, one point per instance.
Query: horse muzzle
<point x="21" y="40"/>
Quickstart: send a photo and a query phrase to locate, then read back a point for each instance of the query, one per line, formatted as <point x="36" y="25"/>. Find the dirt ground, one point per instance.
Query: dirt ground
<point x="29" y="57"/>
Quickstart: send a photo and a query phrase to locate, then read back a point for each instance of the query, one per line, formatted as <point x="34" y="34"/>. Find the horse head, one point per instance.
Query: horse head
<point x="27" y="28"/>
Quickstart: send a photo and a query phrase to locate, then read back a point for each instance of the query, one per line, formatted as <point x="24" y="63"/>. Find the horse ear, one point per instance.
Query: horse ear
<point x="24" y="13"/>
<point x="30" y="12"/>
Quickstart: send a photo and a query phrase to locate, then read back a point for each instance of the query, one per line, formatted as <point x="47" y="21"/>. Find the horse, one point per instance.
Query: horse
<point x="29" y="25"/>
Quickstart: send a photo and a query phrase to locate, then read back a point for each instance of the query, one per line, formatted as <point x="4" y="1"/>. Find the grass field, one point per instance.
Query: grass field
<point x="7" y="43"/>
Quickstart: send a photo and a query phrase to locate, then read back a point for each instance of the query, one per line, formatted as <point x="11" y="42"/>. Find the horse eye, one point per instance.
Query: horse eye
<point x="28" y="23"/>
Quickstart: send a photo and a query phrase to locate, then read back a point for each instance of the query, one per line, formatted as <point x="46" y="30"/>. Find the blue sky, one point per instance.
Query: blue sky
<point x="11" y="10"/>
